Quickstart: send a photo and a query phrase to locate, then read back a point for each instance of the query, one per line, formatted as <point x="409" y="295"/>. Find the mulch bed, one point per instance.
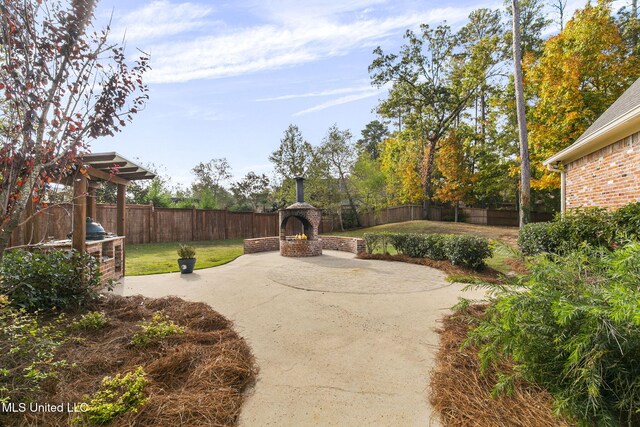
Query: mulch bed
<point x="488" y="274"/>
<point x="461" y="395"/>
<point x="198" y="378"/>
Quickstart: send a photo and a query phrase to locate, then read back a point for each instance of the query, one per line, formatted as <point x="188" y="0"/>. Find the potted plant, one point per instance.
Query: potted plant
<point x="187" y="259"/>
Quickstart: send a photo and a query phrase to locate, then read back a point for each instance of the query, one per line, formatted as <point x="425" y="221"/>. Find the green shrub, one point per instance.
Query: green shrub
<point x="372" y="241"/>
<point x="540" y="237"/>
<point x="92" y="321"/>
<point x="435" y="245"/>
<point x="154" y="330"/>
<point x="116" y="396"/>
<point x="572" y="326"/>
<point x="593" y="226"/>
<point x="414" y="245"/>
<point x="468" y="251"/>
<point x="627" y="221"/>
<point x="27" y="350"/>
<point x="46" y="280"/>
<point x="398" y="241"/>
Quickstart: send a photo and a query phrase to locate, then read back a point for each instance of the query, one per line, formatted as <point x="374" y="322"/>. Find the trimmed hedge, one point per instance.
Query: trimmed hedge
<point x="467" y="251"/>
<point x="594" y="227"/>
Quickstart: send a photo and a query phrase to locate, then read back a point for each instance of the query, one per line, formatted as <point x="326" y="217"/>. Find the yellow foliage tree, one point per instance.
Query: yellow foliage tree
<point x="457" y="178"/>
<point x="401" y="163"/>
<point x="581" y="72"/>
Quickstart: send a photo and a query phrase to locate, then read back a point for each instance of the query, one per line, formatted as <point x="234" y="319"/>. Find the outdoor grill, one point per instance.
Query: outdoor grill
<point x="95" y="230"/>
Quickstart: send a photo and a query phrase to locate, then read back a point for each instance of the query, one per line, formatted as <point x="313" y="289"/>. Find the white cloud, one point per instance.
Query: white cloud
<point x="328" y="92"/>
<point x="161" y="18"/>
<point x="270" y="46"/>
<point x="339" y="101"/>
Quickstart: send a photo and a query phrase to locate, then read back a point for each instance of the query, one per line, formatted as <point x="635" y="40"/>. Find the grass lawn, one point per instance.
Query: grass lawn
<point x="504" y="238"/>
<point x="154" y="258"/>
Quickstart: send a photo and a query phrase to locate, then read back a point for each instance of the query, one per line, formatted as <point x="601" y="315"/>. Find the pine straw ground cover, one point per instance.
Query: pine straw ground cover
<point x="462" y="396"/>
<point x="195" y="378"/>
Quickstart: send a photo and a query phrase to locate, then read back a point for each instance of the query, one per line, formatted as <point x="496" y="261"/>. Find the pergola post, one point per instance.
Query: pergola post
<point x="92" y="208"/>
<point x="121" y="210"/>
<point x="79" y="236"/>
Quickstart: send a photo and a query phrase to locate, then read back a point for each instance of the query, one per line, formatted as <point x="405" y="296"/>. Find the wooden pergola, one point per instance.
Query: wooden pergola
<point x="102" y="167"/>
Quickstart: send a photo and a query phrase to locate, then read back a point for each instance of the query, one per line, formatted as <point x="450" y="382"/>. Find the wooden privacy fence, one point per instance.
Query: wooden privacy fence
<point x="147" y="224"/>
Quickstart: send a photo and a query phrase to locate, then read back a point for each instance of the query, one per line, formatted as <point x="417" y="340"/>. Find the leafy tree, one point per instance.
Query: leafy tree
<point x="457" y="178"/>
<point x="630" y="27"/>
<point x="208" y="185"/>
<point x="369" y="182"/>
<point x="576" y="79"/>
<point x="400" y="162"/>
<point x="339" y="154"/>
<point x="63" y="85"/>
<point x="293" y="158"/>
<point x="252" y="190"/>
<point x="372" y="136"/>
<point x="436" y="81"/>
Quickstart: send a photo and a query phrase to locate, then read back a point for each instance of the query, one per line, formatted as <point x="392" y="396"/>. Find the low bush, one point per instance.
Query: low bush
<point x="92" y="321"/>
<point x="627" y="221"/>
<point x="27" y="349"/>
<point x="398" y="241"/>
<point x="372" y="241"/>
<point x="595" y="227"/>
<point x="539" y="237"/>
<point x="154" y="330"/>
<point x="468" y="251"/>
<point x="572" y="326"/>
<point x="47" y="280"/>
<point x="116" y="396"/>
<point x="435" y="246"/>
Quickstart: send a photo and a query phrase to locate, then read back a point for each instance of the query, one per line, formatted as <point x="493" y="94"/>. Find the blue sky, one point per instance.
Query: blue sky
<point x="229" y="76"/>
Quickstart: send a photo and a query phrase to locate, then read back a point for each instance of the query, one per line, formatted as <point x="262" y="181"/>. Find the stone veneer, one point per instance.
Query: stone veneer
<point x="333" y="243"/>
<point x="609" y="177"/>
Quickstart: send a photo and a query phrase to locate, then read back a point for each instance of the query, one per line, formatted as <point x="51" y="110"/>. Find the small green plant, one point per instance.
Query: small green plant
<point x="542" y="237"/>
<point x="47" y="280"/>
<point x="92" y="321"/>
<point x="186" y="252"/>
<point x="372" y="241"/>
<point x="154" y="330"/>
<point x="27" y="352"/>
<point x="468" y="251"/>
<point x="116" y="396"/>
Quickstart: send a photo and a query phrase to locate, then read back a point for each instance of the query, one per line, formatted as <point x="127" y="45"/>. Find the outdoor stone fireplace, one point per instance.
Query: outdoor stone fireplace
<point x="306" y="242"/>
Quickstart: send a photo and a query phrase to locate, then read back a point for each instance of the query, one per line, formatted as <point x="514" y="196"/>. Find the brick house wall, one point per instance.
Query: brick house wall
<point x="609" y="177"/>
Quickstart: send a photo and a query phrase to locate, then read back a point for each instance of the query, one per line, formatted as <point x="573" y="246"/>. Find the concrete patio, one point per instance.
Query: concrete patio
<point x="338" y="340"/>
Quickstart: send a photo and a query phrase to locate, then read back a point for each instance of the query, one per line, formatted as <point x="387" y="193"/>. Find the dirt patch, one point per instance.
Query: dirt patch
<point x="195" y="378"/>
<point x="461" y="394"/>
<point x="488" y="274"/>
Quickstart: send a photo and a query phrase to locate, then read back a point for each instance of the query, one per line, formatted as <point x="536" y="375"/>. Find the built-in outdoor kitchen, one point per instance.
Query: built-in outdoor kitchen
<point x="84" y="233"/>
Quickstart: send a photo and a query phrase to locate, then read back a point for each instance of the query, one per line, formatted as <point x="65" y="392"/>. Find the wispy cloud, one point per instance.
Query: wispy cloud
<point x="161" y="18"/>
<point x="274" y="46"/>
<point x="339" y="101"/>
<point x="328" y="92"/>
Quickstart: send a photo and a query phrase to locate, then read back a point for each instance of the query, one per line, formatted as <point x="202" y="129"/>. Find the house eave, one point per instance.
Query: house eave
<point x="623" y="126"/>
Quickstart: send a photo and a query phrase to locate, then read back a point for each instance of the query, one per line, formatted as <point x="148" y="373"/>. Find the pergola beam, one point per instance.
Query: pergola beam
<point x="97" y="173"/>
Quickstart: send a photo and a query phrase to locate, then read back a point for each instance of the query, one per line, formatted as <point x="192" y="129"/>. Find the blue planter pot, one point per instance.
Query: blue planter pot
<point x="186" y="265"/>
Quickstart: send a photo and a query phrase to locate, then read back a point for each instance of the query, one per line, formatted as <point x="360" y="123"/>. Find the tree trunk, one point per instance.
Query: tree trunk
<point x="525" y="170"/>
<point x="14" y="220"/>
<point x="427" y="179"/>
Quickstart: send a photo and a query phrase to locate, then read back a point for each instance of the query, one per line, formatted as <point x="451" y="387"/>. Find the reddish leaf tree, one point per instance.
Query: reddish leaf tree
<point x="62" y="84"/>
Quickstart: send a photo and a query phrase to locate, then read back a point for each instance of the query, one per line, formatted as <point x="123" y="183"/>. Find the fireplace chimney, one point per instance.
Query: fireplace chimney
<point x="299" y="189"/>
